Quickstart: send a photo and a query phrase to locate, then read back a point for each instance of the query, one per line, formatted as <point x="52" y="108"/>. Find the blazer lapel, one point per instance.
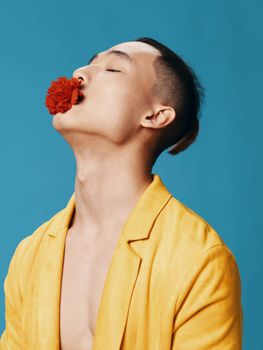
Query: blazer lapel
<point x="114" y="304"/>
<point x="50" y="279"/>
<point x="120" y="279"/>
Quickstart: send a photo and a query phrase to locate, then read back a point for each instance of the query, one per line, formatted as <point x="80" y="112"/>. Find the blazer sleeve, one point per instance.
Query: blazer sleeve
<point x="11" y="338"/>
<point x="210" y="316"/>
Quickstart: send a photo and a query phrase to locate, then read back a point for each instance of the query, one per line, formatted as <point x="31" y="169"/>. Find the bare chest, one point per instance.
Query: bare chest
<point x="83" y="278"/>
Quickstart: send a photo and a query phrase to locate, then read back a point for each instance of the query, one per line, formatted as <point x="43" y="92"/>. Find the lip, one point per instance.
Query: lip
<point x="73" y="106"/>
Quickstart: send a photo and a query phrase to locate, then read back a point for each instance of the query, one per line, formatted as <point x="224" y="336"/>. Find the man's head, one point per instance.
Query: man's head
<point x="134" y="95"/>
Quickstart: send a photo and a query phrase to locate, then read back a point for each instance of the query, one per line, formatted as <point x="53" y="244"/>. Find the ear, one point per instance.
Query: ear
<point x="160" y="119"/>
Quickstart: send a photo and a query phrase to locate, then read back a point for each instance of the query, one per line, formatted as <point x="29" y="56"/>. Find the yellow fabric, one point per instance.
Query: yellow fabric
<point x="172" y="283"/>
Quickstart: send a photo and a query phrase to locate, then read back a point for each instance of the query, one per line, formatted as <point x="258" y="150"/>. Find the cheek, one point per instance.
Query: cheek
<point x="111" y="111"/>
<point x="110" y="105"/>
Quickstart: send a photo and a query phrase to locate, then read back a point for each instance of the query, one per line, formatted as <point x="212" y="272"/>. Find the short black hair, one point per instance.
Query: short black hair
<point x="179" y="87"/>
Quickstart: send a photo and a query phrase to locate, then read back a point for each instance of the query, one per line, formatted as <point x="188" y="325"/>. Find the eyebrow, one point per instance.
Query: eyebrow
<point x="121" y="54"/>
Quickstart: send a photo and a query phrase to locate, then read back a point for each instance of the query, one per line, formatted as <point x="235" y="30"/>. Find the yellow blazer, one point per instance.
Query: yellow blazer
<point x="172" y="283"/>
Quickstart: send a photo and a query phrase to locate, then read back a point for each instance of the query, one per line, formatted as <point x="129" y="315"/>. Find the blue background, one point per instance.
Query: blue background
<point x="219" y="176"/>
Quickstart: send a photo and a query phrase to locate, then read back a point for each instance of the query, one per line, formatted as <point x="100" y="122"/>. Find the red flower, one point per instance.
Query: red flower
<point x="62" y="94"/>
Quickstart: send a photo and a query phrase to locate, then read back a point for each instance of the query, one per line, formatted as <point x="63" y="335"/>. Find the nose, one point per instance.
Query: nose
<point x="84" y="74"/>
<point x="81" y="79"/>
<point x="78" y="75"/>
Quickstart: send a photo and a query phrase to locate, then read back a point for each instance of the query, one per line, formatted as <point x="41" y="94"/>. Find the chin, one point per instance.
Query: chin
<point x="69" y="121"/>
<point x="60" y="121"/>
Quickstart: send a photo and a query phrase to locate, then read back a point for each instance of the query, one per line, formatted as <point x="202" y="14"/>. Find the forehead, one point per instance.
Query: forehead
<point x="142" y="54"/>
<point x="136" y="48"/>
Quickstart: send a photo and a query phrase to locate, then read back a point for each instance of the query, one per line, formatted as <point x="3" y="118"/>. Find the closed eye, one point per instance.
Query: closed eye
<point x="112" y="70"/>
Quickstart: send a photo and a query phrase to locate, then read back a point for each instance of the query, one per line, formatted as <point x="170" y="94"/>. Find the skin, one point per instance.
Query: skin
<point x="113" y="133"/>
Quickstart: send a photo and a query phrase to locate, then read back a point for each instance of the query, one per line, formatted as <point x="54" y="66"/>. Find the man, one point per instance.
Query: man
<point x="125" y="265"/>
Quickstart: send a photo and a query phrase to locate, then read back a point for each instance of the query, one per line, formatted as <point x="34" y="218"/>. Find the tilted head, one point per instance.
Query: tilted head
<point x="137" y="93"/>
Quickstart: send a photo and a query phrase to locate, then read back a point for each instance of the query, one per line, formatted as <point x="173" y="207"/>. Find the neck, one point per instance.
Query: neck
<point x="106" y="190"/>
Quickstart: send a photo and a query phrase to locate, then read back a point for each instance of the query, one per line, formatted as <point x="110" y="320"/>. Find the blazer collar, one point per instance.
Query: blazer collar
<point x="120" y="279"/>
<point x="140" y="219"/>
